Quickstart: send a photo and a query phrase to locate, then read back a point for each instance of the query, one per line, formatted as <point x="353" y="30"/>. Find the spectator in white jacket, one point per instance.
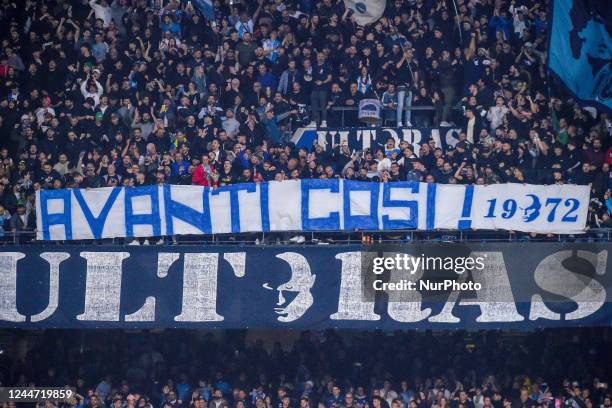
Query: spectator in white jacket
<point x="45" y="109"/>
<point x="496" y="113"/>
<point x="102" y="11"/>
<point x="91" y="88"/>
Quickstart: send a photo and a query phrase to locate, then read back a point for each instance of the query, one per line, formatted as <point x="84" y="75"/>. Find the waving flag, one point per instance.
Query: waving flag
<point x="366" y="11"/>
<point x="581" y="49"/>
<point x="206" y="8"/>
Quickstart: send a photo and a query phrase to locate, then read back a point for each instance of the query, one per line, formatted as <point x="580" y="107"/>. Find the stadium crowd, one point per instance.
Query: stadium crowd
<point x="561" y="368"/>
<point x="134" y="92"/>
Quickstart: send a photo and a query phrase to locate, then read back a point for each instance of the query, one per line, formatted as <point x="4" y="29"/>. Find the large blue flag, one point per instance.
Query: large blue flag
<point x="581" y="49"/>
<point x="206" y="8"/>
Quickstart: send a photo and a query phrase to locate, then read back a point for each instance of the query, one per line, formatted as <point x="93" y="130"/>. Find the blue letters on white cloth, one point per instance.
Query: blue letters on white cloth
<point x="307" y="205"/>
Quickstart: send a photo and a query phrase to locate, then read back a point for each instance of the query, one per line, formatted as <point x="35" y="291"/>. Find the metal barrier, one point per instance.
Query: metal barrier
<point x="328" y="238"/>
<point x="344" y="109"/>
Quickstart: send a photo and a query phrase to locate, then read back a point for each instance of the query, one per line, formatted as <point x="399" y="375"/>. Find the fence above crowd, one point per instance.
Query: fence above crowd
<point x="324" y="238"/>
<point x="388" y="115"/>
<point x="346" y="115"/>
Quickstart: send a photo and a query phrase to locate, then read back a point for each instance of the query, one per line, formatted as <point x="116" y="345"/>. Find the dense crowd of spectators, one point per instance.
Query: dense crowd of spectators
<point x="138" y="92"/>
<point x="189" y="369"/>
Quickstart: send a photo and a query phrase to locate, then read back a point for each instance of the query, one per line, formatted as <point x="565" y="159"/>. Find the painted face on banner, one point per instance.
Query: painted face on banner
<point x="594" y="40"/>
<point x="582" y="31"/>
<point x="294" y="296"/>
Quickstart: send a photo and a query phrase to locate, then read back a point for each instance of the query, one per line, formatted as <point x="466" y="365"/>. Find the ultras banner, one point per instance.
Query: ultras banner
<point x="307" y="205"/>
<point x="361" y="138"/>
<point x="511" y="286"/>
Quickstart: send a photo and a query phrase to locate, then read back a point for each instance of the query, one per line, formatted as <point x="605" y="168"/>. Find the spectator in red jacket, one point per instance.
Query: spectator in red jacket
<point x="205" y="173"/>
<point x="609" y="156"/>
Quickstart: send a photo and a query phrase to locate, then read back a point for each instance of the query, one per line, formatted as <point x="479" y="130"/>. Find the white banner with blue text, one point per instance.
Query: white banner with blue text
<point x="307" y="205"/>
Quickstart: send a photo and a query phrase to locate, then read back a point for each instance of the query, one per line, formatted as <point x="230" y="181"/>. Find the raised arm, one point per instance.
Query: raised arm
<point x="513" y="110"/>
<point x="145" y="53"/>
<point x="108" y="82"/>
<point x="401" y="61"/>
<point x="135" y="119"/>
<point x="99" y="88"/>
<point x="84" y="86"/>
<point x="543" y="146"/>
<point x="93" y="4"/>
<point x="256" y="14"/>
<point x="59" y="27"/>
<point x="153" y="115"/>
<point x="458" y="175"/>
<point x="77" y="31"/>
<point x="532" y="106"/>
<point x="471" y="51"/>
<point x="125" y="148"/>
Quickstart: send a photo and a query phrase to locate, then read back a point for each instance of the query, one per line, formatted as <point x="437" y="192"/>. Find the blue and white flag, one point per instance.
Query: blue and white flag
<point x="581" y="49"/>
<point x="206" y="8"/>
<point x="366" y="11"/>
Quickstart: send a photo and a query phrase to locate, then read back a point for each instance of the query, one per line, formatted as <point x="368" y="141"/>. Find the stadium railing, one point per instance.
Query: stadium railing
<point x="384" y="120"/>
<point x="329" y="237"/>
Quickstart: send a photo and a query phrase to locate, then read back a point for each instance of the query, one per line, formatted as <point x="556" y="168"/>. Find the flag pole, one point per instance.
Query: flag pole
<point x="457" y="19"/>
